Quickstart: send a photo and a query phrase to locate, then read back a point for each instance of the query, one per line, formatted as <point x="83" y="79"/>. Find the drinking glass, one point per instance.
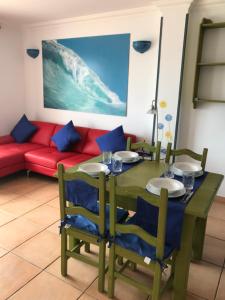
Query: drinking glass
<point x="106" y="157"/>
<point x="117" y="164"/>
<point x="169" y="170"/>
<point x="188" y="180"/>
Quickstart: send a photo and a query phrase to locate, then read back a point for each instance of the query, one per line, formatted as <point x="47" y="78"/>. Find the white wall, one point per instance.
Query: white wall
<point x="12" y="100"/>
<point x="142" y="24"/>
<point x="204" y="126"/>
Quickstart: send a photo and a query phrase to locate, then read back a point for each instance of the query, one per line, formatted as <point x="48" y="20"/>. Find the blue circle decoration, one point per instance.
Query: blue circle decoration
<point x="160" y="126"/>
<point x="168" y="117"/>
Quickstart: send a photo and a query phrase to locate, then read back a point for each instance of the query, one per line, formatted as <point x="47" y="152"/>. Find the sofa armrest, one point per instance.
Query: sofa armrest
<point x="6" y="139"/>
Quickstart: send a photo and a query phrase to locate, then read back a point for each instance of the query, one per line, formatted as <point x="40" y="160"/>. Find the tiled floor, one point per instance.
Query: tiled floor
<point x="30" y="250"/>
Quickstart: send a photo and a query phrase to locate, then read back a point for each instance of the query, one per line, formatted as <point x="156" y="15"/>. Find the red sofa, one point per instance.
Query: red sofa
<point x="40" y="153"/>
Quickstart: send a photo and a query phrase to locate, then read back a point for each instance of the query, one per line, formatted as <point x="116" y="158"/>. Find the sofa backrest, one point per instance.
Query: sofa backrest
<point x="86" y="145"/>
<point x="44" y="133"/>
<point x="91" y="147"/>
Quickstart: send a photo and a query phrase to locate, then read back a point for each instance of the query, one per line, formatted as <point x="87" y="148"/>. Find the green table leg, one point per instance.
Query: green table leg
<point x="199" y="238"/>
<point x="182" y="262"/>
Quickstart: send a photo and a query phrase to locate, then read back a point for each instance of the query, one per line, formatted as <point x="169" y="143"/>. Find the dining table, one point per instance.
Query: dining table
<point x="195" y="214"/>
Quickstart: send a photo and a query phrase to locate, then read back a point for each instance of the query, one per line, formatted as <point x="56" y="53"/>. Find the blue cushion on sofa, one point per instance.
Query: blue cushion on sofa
<point x="65" y="137"/>
<point x="23" y="130"/>
<point x="112" y="141"/>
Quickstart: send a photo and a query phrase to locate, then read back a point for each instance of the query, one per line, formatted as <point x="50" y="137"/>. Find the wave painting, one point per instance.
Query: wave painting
<point x="71" y="83"/>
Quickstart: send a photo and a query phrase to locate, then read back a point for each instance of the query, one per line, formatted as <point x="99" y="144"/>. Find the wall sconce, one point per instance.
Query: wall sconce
<point x="33" y="52"/>
<point x="142" y="46"/>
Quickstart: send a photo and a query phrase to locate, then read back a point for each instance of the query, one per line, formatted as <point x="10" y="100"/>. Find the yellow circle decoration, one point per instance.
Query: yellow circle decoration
<point x="162" y="104"/>
<point x="169" y="135"/>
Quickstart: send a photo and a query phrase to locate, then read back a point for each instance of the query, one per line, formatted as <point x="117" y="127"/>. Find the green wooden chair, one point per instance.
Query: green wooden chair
<point x="147" y="148"/>
<point x="132" y="257"/>
<point x="83" y="238"/>
<point x="200" y="157"/>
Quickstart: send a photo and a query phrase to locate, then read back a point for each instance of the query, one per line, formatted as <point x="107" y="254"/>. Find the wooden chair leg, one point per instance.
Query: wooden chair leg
<point x="156" y="283"/>
<point x="87" y="247"/>
<point x="101" y="275"/>
<point x="111" y="283"/>
<point x="133" y="266"/>
<point x="120" y="260"/>
<point x="63" y="253"/>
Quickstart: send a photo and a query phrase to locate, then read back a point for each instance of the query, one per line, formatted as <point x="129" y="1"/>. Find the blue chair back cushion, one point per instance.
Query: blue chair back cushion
<point x="112" y="141"/>
<point x="23" y="130"/>
<point x="65" y="137"/>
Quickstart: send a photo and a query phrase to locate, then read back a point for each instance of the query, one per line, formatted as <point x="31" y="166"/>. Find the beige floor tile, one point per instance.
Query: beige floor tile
<point x="216" y="228"/>
<point x="203" y="279"/>
<point x="54" y="228"/>
<point x="44" y="193"/>
<point x="44" y="215"/>
<point x="217" y="210"/>
<point x="5" y="217"/>
<point x="6" y="195"/>
<point x="16" y="232"/>
<point x="168" y="296"/>
<point x="80" y="275"/>
<point x="20" y="206"/>
<point x="40" y="250"/>
<point x="46" y="287"/>
<point x="2" y="252"/>
<point x="86" y="297"/>
<point x="54" y="203"/>
<point x="14" y="273"/>
<point x="122" y="291"/>
<point x="214" y="250"/>
<point x="221" y="290"/>
<point x="23" y="184"/>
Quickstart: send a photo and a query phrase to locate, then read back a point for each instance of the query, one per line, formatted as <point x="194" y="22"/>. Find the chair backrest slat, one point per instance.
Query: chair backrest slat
<point x="178" y="152"/>
<point x="78" y="210"/>
<point x="146" y="147"/>
<point x="138" y="231"/>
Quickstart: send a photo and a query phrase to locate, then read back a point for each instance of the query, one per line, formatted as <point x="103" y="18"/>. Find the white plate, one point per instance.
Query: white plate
<point x="172" y="185"/>
<point x="127" y="156"/>
<point x="180" y="167"/>
<point x="107" y="172"/>
<point x="172" y="195"/>
<point x="132" y="161"/>
<point x="93" y="169"/>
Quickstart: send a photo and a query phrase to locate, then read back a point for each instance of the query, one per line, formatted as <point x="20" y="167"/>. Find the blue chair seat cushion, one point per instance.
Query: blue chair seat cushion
<point x="134" y="243"/>
<point x="83" y="223"/>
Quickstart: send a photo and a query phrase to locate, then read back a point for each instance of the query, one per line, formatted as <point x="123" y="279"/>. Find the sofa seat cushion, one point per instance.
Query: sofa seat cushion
<point x="74" y="160"/>
<point x="10" y="157"/>
<point x="20" y="148"/>
<point x="47" y="157"/>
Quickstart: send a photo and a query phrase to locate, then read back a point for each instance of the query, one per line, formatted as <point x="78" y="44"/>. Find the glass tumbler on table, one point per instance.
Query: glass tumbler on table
<point x="188" y="180"/>
<point x="106" y="157"/>
<point x="117" y="164"/>
<point x="168" y="173"/>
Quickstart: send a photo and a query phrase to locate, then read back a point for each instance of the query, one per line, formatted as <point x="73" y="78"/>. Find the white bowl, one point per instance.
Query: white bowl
<point x="180" y="167"/>
<point x="127" y="156"/>
<point x="93" y="169"/>
<point x="172" y="185"/>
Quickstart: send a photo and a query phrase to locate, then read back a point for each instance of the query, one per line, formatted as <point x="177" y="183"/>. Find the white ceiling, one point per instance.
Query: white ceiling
<point x="31" y="11"/>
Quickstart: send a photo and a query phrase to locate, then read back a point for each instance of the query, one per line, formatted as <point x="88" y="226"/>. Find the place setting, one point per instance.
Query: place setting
<point x="181" y="179"/>
<point x="110" y="163"/>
